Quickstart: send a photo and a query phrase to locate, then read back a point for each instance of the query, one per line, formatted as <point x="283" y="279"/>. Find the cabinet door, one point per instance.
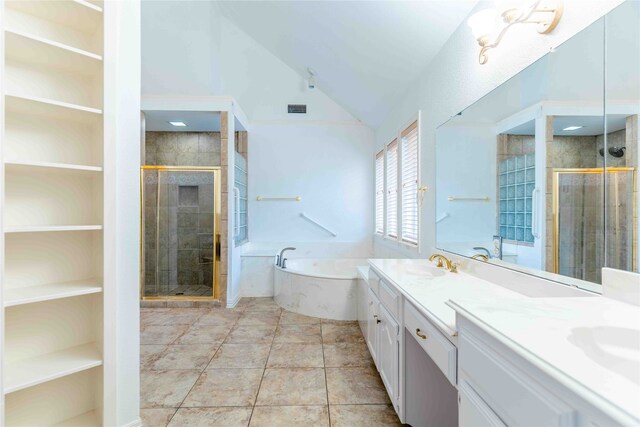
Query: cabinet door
<point x="472" y="411"/>
<point x="372" y="324"/>
<point x="388" y="352"/>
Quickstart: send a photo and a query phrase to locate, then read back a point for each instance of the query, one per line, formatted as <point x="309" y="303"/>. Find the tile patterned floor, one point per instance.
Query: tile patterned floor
<point x="256" y="365"/>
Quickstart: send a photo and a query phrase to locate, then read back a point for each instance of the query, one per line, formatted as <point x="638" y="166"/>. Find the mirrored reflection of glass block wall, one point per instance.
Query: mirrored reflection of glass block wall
<point x="516" y="185"/>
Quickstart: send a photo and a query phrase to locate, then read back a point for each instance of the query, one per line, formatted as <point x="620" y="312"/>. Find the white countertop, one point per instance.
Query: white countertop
<point x="430" y="294"/>
<point x="589" y="343"/>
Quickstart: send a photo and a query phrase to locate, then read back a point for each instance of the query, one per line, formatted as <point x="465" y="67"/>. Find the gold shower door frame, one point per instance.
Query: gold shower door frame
<point x="217" y="195"/>
<point x="556" y="204"/>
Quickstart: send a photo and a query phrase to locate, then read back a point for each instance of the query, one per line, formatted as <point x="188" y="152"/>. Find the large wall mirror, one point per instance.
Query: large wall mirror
<point x="540" y="175"/>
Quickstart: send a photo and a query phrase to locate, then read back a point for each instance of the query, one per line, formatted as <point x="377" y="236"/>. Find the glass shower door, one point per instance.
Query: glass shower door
<point x="587" y="238"/>
<point x="180" y="225"/>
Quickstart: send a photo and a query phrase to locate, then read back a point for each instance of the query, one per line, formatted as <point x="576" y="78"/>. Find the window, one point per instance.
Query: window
<point x="392" y="189"/>
<point x="380" y="192"/>
<point x="409" y="179"/>
<point x="397" y="188"/>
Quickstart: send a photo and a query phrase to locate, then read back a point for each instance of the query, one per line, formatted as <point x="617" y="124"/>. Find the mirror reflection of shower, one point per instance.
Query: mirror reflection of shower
<point x="593" y="211"/>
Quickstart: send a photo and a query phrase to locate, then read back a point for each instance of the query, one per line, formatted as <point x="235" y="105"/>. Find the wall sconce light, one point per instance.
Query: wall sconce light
<point x="490" y="25"/>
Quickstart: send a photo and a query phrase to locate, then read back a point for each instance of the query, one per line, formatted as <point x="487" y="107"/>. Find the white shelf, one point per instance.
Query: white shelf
<point x="52" y="103"/>
<point x="77" y="14"/>
<point x="51" y="228"/>
<point x="33" y="49"/>
<point x="88" y="419"/>
<point x="37" y="370"/>
<point x="62" y="167"/>
<point x="39" y="293"/>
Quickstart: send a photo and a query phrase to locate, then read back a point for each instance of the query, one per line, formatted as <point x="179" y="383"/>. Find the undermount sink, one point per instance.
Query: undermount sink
<point x="426" y="270"/>
<point x="617" y="349"/>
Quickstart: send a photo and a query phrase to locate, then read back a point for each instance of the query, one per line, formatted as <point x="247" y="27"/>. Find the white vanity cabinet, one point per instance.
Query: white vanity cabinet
<point x="499" y="387"/>
<point x="383" y="334"/>
<point x="389" y="352"/>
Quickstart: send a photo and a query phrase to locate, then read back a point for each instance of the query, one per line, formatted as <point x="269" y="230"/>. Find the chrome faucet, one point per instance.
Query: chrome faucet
<point x="279" y="259"/>
<point x="485" y="250"/>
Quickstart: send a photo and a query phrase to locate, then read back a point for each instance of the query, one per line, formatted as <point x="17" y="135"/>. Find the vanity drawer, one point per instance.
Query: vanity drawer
<point x="437" y="346"/>
<point x="514" y="396"/>
<point x="390" y="298"/>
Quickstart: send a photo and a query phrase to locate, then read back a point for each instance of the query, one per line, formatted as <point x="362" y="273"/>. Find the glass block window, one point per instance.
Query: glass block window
<point x="241" y="231"/>
<point x="517" y="182"/>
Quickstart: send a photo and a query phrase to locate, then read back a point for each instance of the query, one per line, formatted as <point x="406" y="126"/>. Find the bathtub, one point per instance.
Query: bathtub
<point x="325" y="288"/>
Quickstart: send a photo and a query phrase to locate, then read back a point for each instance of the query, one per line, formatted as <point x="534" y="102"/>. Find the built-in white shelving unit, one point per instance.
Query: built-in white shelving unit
<point x="53" y="290"/>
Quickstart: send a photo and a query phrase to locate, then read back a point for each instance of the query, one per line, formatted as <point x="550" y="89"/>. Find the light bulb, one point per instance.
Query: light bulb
<point x="484" y="23"/>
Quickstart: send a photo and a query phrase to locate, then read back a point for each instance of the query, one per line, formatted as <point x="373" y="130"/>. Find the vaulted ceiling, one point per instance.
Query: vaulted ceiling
<point x="365" y="54"/>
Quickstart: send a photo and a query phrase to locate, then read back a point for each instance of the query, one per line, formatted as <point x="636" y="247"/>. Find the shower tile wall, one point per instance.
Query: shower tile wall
<point x="614" y="139"/>
<point x="182" y="148"/>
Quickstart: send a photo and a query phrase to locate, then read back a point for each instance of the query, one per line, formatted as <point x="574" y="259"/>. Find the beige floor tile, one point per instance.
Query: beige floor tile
<point x="177" y="316"/>
<point x="204" y="334"/>
<point x="289" y="416"/>
<point x="291" y="355"/>
<point x="225" y="387"/>
<point x="165" y="388"/>
<point x="363" y="416"/>
<point x="293" y="386"/>
<point x="334" y="332"/>
<point x="149" y="353"/>
<point x="211" y="417"/>
<point x="347" y="354"/>
<point x="303" y="334"/>
<point x="355" y="386"/>
<point x="162" y="334"/>
<point x="262" y="318"/>
<point x="218" y="317"/>
<point x="156" y="417"/>
<point x="291" y="318"/>
<point x="185" y="357"/>
<point x="240" y="356"/>
<point x="251" y="335"/>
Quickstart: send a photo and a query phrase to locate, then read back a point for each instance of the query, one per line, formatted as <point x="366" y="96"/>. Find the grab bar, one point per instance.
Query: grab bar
<point x="535" y="221"/>
<point x="236" y="197"/>
<point x="460" y="199"/>
<point x="443" y="217"/>
<point x="313" y="221"/>
<point x="292" y="199"/>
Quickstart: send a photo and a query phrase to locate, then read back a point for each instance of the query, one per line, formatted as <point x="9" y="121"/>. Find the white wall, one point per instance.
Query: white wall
<point x="122" y="201"/>
<point x="466" y="159"/>
<point x="455" y="80"/>
<point x="181" y="48"/>
<point x="323" y="156"/>
<point x="328" y="165"/>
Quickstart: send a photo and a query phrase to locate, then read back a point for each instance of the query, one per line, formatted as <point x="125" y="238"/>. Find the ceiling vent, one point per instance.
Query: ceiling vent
<point x="297" y="109"/>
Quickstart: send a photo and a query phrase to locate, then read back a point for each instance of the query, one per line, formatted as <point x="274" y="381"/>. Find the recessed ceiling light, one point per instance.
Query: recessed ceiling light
<point x="573" y="127"/>
<point x="178" y="124"/>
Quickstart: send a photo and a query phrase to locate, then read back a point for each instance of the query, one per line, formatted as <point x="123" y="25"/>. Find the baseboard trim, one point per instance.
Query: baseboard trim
<point x="235" y="301"/>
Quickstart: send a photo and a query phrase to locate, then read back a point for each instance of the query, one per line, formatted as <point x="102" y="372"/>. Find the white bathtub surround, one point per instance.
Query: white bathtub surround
<point x="575" y="353"/>
<point x="621" y="285"/>
<point x="258" y="258"/>
<point x="325" y="288"/>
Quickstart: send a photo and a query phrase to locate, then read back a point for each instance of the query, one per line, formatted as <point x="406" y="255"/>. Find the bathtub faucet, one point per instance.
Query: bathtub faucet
<point x="279" y="259"/>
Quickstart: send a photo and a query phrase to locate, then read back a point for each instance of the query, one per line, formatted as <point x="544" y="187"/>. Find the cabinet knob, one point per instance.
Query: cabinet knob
<point x="375" y="316"/>
<point x="420" y="334"/>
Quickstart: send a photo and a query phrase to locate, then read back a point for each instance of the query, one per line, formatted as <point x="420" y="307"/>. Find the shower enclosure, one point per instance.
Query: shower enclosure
<point x="180" y="237"/>
<point x="588" y="237"/>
